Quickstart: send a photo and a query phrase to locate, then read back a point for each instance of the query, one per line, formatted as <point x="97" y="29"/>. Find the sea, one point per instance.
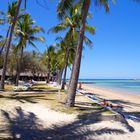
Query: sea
<point x="125" y="85"/>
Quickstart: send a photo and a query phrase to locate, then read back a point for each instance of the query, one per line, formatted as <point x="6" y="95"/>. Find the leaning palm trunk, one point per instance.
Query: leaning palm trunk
<point x="59" y="76"/>
<point x="19" y="68"/>
<point x="7" y="34"/>
<point x="48" y="71"/>
<point x="76" y="69"/>
<point x="8" y="47"/>
<point x="48" y="75"/>
<point x="65" y="70"/>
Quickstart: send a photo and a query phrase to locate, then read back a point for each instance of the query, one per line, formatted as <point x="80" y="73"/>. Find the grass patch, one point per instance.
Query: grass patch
<point x="42" y="86"/>
<point x="8" y="87"/>
<point x="107" y="112"/>
<point x="52" y="99"/>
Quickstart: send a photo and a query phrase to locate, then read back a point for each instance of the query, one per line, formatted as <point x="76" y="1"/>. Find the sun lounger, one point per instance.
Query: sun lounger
<point x="15" y="88"/>
<point x="28" y="85"/>
<point x="20" y="88"/>
<point x="25" y="88"/>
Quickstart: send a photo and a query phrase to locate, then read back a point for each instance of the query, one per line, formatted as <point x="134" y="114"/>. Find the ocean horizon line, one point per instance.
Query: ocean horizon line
<point x="107" y="79"/>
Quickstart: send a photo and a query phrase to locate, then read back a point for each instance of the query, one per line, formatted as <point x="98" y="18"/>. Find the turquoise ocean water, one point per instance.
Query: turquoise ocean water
<point x="127" y="85"/>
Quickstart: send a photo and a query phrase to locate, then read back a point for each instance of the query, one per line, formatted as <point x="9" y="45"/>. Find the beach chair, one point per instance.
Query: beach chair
<point x="15" y="88"/>
<point x="20" y="88"/>
<point x="25" y="88"/>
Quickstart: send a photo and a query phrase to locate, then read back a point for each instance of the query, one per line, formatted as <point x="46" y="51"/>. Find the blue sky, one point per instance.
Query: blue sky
<point x="116" y="50"/>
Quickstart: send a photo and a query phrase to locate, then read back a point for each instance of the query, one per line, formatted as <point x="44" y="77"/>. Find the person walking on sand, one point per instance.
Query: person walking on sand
<point x="80" y="85"/>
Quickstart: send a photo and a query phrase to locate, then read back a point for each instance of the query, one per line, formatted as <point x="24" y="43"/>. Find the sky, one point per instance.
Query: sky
<point x="116" y="49"/>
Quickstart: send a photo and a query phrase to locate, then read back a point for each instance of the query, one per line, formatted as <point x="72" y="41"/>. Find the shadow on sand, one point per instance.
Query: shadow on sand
<point x="26" y="126"/>
<point x="25" y="98"/>
<point x="135" y="116"/>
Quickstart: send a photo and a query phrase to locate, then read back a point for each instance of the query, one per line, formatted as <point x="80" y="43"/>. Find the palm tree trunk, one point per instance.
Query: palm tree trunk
<point x="48" y="69"/>
<point x="59" y="76"/>
<point x="76" y="69"/>
<point x="8" y="47"/>
<point x="19" y="67"/>
<point x="65" y="70"/>
<point x="7" y="34"/>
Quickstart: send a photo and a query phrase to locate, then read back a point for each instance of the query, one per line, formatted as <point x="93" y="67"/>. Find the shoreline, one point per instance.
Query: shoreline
<point x="131" y="102"/>
<point x="113" y="89"/>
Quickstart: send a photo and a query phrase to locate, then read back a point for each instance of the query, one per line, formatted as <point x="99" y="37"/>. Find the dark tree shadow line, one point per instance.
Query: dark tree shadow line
<point x="135" y="116"/>
<point x="26" y="126"/>
<point x="25" y="98"/>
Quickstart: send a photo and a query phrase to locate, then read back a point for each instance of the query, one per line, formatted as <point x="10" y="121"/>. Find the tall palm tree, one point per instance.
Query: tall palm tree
<point x="76" y="67"/>
<point x="67" y="51"/>
<point x="17" y="9"/>
<point x="49" y="57"/>
<point x="3" y="20"/>
<point x="4" y="41"/>
<point x="60" y="62"/>
<point x="71" y="23"/>
<point x="66" y="55"/>
<point x="26" y="33"/>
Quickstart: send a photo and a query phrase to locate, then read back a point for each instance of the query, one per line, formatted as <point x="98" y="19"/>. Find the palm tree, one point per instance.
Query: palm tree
<point x="16" y="12"/>
<point x="59" y="63"/>
<point x="4" y="41"/>
<point x="71" y="23"/>
<point x="49" y="58"/>
<point x="4" y="20"/>
<point x="76" y="67"/>
<point x="65" y="50"/>
<point x="64" y="7"/>
<point x="26" y="33"/>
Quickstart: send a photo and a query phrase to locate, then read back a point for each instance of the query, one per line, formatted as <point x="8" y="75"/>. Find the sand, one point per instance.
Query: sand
<point x="130" y="102"/>
<point x="131" y="107"/>
<point x="28" y="121"/>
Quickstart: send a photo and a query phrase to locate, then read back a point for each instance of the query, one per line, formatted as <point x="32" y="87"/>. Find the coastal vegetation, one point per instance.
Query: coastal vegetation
<point x="37" y="101"/>
<point x="67" y="52"/>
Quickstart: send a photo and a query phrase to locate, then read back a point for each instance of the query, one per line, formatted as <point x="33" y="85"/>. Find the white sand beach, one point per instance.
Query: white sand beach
<point x="131" y="107"/>
<point x="130" y="102"/>
<point x="38" y="121"/>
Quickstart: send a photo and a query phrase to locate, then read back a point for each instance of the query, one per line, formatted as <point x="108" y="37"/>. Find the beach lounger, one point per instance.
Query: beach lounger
<point x="15" y="88"/>
<point x="20" y="88"/>
<point x="25" y="88"/>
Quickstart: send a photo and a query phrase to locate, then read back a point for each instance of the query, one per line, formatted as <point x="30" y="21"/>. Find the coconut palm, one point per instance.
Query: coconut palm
<point x="3" y="20"/>
<point x="15" y="16"/>
<point x="60" y="63"/>
<point x="26" y="33"/>
<point x="64" y="7"/>
<point x="49" y="59"/>
<point x="66" y="55"/>
<point x="3" y="41"/>
<point x="76" y="67"/>
<point x="71" y="23"/>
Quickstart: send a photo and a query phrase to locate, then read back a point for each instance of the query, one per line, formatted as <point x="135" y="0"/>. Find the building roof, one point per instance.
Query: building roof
<point x="28" y="74"/>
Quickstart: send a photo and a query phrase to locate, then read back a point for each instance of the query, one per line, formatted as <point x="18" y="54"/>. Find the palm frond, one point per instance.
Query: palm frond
<point x="37" y="29"/>
<point x="90" y="29"/>
<point x="64" y="7"/>
<point x="20" y="33"/>
<point x="36" y="38"/>
<point x="104" y="3"/>
<point x="32" y="44"/>
<point x="88" y="42"/>
<point x="58" y="28"/>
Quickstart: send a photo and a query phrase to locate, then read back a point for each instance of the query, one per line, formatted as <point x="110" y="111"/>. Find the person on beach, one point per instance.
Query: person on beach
<point x="80" y="85"/>
<point x="107" y="104"/>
